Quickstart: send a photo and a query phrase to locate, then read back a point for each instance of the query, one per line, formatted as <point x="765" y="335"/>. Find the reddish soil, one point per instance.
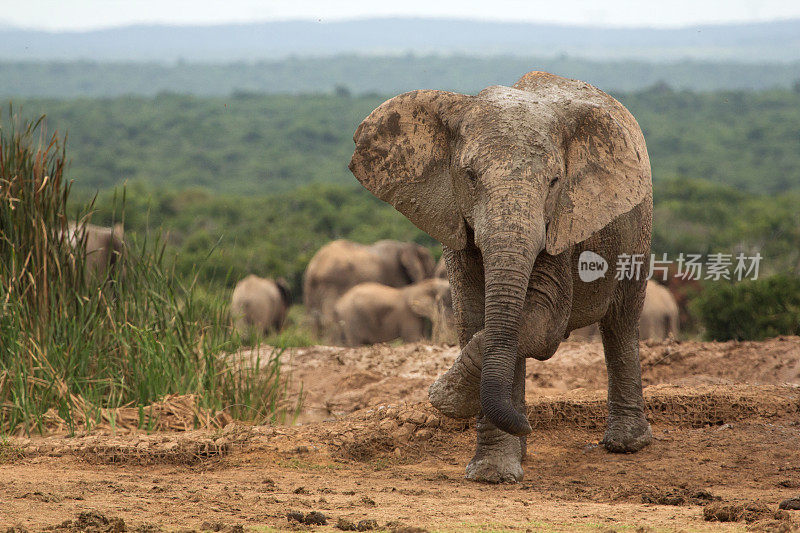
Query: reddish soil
<point x="373" y="453"/>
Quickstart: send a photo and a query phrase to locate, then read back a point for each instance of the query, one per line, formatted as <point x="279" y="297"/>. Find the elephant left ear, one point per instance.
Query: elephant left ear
<point x="607" y="175"/>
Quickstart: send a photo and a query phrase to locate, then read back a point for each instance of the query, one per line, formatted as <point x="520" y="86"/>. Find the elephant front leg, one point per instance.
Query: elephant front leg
<point x="456" y="393"/>
<point x="499" y="455"/>
<point x="628" y="429"/>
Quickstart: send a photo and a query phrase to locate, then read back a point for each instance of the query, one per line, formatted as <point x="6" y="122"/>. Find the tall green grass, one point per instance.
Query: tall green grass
<point x="73" y="344"/>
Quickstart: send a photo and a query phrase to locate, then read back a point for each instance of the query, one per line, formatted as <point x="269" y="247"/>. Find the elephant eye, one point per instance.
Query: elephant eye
<point x="554" y="181"/>
<point x="471" y="176"/>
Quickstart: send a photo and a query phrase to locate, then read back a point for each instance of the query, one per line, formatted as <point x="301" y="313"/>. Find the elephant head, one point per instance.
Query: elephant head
<point x="421" y="297"/>
<point x="514" y="171"/>
<point x="415" y="262"/>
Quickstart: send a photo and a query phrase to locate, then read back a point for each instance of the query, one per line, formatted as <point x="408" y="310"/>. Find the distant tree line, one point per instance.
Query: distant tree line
<point x="260" y="144"/>
<point x="370" y="74"/>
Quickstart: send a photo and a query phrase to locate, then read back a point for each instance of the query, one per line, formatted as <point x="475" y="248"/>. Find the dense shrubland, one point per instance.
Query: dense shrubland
<point x="276" y="235"/>
<point x="262" y="144"/>
<point x="755" y="309"/>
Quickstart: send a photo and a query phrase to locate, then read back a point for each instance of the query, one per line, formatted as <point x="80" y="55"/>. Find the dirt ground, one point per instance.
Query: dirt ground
<point x="371" y="453"/>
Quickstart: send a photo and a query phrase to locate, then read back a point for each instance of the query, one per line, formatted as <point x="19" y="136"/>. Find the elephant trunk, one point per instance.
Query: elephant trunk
<point x="508" y="256"/>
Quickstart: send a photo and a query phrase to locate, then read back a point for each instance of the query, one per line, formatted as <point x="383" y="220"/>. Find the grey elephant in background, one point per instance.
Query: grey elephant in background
<point x="260" y="305"/>
<point x="516" y="182"/>
<point x="445" y="330"/>
<point x="104" y="250"/>
<point x="660" y="313"/>
<point x="371" y="312"/>
<point x="342" y="264"/>
<point x="444" y="322"/>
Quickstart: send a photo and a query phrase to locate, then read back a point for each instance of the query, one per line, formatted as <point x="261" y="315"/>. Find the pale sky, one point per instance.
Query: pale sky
<point x="92" y="14"/>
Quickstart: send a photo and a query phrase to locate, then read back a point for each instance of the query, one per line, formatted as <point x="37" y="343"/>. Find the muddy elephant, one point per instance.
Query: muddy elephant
<point x="517" y="183"/>
<point x="342" y="264"/>
<point x="260" y="305"/>
<point x="104" y="248"/>
<point x="659" y="318"/>
<point x="371" y="312"/>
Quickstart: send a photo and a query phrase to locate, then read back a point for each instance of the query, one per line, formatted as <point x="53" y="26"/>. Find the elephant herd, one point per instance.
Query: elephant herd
<point x="356" y="294"/>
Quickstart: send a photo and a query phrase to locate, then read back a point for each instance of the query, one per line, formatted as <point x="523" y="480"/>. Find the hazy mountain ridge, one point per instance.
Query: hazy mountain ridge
<point x="763" y="41"/>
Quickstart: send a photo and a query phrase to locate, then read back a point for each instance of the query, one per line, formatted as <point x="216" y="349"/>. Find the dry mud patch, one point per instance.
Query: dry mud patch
<point x="726" y="417"/>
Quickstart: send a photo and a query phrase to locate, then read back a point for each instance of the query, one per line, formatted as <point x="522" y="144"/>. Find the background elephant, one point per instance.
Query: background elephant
<point x="441" y="269"/>
<point x="445" y="330"/>
<point x="104" y="248"/>
<point x="659" y="318"/>
<point x="260" y="305"/>
<point x="684" y="289"/>
<point x="517" y="182"/>
<point x="370" y="312"/>
<point x="342" y="264"/>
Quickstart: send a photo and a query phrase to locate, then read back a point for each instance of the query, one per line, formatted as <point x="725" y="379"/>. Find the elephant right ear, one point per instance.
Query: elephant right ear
<point x="402" y="156"/>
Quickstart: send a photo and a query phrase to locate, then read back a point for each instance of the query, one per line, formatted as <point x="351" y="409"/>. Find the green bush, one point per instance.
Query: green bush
<point x="750" y="310"/>
<point x="73" y="346"/>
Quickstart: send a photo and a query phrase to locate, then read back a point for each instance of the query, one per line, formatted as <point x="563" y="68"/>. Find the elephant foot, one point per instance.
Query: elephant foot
<point x="454" y="396"/>
<point x="627" y="434"/>
<point x="456" y="393"/>
<point x="494" y="470"/>
<point x="498" y="458"/>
